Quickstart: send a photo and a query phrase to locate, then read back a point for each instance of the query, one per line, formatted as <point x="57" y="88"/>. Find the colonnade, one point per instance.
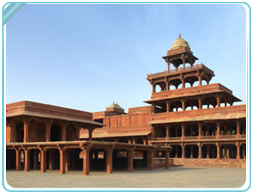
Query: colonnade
<point x="196" y="103"/>
<point x="44" y="130"/>
<point x="216" y="150"/>
<point x="199" y="130"/>
<point x="42" y="156"/>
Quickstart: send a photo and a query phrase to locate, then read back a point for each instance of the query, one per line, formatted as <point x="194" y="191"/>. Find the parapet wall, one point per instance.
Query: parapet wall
<point x="223" y="163"/>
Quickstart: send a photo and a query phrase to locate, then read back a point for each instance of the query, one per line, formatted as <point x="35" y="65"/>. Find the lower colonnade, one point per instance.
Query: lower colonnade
<point x="82" y="155"/>
<point x="222" y="150"/>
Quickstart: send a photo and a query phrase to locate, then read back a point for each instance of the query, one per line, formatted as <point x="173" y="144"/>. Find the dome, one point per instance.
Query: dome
<point x="179" y="43"/>
<point x="114" y="105"/>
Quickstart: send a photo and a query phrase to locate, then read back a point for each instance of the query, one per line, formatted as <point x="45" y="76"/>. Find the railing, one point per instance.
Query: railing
<point x="227" y="136"/>
<point x="164" y="73"/>
<point x="243" y="136"/>
<point x="208" y="137"/>
<point x="191" y="137"/>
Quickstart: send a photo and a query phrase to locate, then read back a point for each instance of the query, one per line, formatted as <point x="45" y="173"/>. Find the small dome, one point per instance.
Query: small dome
<point x="114" y="105"/>
<point x="179" y="43"/>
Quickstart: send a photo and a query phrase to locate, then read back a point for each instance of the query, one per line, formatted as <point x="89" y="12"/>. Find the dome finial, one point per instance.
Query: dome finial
<point x="179" y="36"/>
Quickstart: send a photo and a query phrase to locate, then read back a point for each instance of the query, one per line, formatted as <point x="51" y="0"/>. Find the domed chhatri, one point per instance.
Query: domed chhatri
<point x="179" y="43"/>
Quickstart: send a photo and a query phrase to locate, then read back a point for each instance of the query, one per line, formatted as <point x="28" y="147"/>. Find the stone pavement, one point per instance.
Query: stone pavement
<point x="174" y="177"/>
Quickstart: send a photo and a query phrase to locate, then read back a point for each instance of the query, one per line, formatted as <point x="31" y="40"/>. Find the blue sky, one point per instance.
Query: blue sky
<point x="85" y="56"/>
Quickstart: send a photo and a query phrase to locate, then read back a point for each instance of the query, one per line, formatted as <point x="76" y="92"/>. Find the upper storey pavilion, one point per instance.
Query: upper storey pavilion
<point x="184" y="86"/>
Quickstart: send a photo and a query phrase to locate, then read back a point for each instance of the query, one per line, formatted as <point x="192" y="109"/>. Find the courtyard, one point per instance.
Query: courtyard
<point x="174" y="177"/>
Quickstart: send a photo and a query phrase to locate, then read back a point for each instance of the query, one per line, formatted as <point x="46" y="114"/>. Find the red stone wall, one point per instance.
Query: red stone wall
<point x="231" y="163"/>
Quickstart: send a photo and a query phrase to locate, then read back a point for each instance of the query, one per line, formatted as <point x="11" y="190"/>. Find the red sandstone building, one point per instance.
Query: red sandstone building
<point x="198" y="121"/>
<point x="197" y="118"/>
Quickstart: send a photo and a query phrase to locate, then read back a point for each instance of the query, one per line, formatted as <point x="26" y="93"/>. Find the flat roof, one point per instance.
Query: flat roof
<point x="35" y="109"/>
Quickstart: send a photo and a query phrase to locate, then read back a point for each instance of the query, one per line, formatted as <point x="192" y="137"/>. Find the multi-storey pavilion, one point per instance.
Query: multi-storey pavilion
<point x="46" y="137"/>
<point x="196" y="118"/>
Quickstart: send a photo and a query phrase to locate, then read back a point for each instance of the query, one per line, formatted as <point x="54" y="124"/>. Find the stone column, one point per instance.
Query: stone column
<point x="109" y="161"/>
<point x="18" y="162"/>
<point x="238" y="151"/>
<point x="90" y="134"/>
<point x="218" y="150"/>
<point x="200" y="130"/>
<point x="153" y="88"/>
<point x="183" y="83"/>
<point x="200" y="80"/>
<point x="27" y="159"/>
<point x="183" y="150"/>
<point x="166" y="159"/>
<point x="218" y="130"/>
<point x="64" y="132"/>
<point x="183" y="130"/>
<point x="200" y="150"/>
<point x="26" y="130"/>
<point x="218" y="101"/>
<point x="183" y="104"/>
<point x="48" y="128"/>
<point x="238" y="128"/>
<point x="43" y="162"/>
<point x="150" y="159"/>
<point x="86" y="162"/>
<point x="167" y="132"/>
<point x="62" y="160"/>
<point x="130" y="156"/>
<point x="168" y="106"/>
<point x="200" y="103"/>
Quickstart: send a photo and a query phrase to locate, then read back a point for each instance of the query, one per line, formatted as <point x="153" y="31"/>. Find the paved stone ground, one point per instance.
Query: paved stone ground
<point x="174" y="177"/>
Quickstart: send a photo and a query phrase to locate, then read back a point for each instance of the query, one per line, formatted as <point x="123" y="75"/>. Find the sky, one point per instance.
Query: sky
<point x="85" y="56"/>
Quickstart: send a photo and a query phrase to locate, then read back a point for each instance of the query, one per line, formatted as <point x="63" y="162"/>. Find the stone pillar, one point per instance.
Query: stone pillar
<point x="109" y="161"/>
<point x="167" y="132"/>
<point x="183" y="105"/>
<point x="168" y="62"/>
<point x="90" y="134"/>
<point x="168" y="106"/>
<point x="166" y="159"/>
<point x="64" y="132"/>
<point x="43" y="162"/>
<point x="18" y="162"/>
<point x="200" y="80"/>
<point x="183" y="150"/>
<point x="238" y="128"/>
<point x="218" y="130"/>
<point x="167" y="84"/>
<point x="183" y="83"/>
<point x="27" y="159"/>
<point x="218" y="150"/>
<point x="86" y="162"/>
<point x="48" y="128"/>
<point x="62" y="160"/>
<point x="176" y="151"/>
<point x="130" y="156"/>
<point x="200" y="103"/>
<point x="200" y="130"/>
<point x="238" y="151"/>
<point x="183" y="130"/>
<point x="153" y="88"/>
<point x="200" y="150"/>
<point x="218" y="101"/>
<point x="26" y="130"/>
<point x="150" y="159"/>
